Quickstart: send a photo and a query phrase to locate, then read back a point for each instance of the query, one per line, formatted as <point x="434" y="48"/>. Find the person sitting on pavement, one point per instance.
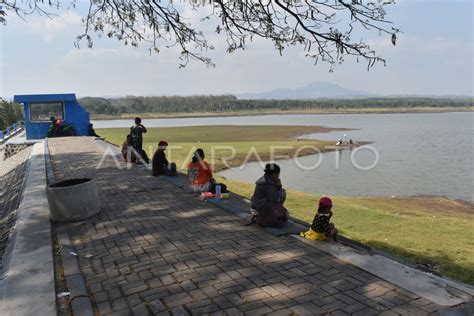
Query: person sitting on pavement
<point x="128" y="152"/>
<point x="91" y="131"/>
<point x="199" y="173"/>
<point x="66" y="129"/>
<point x="322" y="228"/>
<point x="55" y="128"/>
<point x="269" y="197"/>
<point x="58" y="128"/>
<point x="160" y="164"/>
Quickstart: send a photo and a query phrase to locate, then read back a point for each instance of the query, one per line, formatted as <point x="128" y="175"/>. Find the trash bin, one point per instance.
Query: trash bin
<point x="73" y="200"/>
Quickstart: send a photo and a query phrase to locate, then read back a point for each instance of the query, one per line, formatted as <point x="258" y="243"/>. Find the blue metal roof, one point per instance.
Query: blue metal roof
<point x="27" y="98"/>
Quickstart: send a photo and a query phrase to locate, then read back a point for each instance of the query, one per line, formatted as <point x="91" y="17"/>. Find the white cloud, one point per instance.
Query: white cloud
<point x="48" y="29"/>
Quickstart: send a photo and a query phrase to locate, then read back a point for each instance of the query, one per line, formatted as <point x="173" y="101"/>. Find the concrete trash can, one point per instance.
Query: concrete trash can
<point x="73" y="200"/>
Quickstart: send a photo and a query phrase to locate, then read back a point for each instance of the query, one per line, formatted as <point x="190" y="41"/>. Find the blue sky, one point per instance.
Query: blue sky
<point x="434" y="56"/>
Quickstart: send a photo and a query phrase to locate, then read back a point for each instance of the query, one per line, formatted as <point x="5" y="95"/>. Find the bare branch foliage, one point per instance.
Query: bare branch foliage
<point x="323" y="28"/>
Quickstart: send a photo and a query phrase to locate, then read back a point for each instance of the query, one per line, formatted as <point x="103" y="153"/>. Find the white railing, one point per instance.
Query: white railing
<point x="11" y="131"/>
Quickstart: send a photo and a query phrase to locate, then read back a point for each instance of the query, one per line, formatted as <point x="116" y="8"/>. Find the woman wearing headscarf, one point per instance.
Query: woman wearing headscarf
<point x="269" y="197"/>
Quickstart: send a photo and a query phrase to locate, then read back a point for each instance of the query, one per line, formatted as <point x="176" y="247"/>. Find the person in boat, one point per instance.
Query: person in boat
<point x="269" y="197"/>
<point x="160" y="164"/>
<point x="351" y="142"/>
<point x="339" y="142"/>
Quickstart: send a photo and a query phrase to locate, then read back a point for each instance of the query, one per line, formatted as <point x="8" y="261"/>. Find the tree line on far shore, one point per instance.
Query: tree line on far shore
<point x="9" y="113"/>
<point x="226" y="103"/>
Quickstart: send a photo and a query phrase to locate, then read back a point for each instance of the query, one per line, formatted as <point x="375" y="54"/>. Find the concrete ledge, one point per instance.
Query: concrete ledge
<point x="49" y="166"/>
<point x="28" y="286"/>
<point x="439" y="290"/>
<point x="82" y="307"/>
<point x="80" y="301"/>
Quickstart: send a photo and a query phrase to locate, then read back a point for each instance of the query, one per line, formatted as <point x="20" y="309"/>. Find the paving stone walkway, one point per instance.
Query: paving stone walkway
<point x="160" y="250"/>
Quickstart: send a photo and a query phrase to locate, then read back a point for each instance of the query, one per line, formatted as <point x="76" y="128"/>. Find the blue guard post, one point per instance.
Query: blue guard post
<point x="40" y="108"/>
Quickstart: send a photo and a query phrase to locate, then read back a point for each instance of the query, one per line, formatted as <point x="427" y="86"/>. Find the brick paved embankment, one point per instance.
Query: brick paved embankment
<point x="157" y="249"/>
<point x="12" y="175"/>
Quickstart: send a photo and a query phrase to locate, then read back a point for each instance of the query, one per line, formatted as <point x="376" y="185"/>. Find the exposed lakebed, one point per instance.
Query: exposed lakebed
<point x="418" y="154"/>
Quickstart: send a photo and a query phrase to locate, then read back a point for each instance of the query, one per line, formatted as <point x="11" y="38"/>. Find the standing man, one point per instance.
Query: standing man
<point x="136" y="132"/>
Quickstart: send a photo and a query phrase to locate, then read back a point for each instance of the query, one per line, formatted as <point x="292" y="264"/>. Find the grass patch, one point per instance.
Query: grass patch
<point x="234" y="144"/>
<point x="429" y="230"/>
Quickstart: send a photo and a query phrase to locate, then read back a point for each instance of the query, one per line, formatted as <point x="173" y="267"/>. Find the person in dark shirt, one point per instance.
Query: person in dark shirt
<point x="54" y="129"/>
<point x="160" y="164"/>
<point x="322" y="228"/>
<point x="91" y="131"/>
<point x="136" y="133"/>
<point x="58" y="128"/>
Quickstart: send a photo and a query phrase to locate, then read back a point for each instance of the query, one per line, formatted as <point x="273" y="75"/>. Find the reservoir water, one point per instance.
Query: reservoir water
<point x="412" y="154"/>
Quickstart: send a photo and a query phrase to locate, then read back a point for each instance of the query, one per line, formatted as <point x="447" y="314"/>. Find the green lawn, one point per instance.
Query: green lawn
<point x="226" y="141"/>
<point x="430" y="230"/>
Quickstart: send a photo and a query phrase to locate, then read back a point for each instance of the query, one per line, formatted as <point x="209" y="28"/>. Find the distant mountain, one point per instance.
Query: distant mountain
<point x="316" y="90"/>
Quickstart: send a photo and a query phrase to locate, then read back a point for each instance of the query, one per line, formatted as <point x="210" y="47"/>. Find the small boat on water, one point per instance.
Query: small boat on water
<point x="345" y="145"/>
